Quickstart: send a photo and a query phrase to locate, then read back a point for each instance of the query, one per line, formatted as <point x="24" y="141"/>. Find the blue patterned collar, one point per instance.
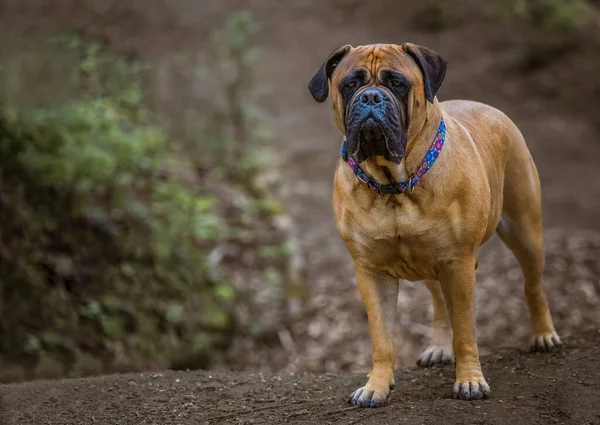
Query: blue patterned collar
<point x="400" y="187"/>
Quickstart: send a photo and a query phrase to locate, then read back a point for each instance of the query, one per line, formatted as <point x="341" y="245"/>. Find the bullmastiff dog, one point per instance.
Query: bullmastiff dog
<point x="420" y="185"/>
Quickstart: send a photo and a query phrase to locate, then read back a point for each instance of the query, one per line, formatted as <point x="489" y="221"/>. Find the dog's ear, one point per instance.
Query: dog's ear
<point x="432" y="65"/>
<point x="319" y="84"/>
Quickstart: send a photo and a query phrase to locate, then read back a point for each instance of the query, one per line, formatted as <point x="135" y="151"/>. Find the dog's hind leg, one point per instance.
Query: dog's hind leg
<point x="520" y="228"/>
<point x="439" y="350"/>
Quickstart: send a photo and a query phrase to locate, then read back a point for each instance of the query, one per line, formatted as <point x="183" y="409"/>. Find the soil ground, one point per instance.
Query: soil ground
<point x="556" y="388"/>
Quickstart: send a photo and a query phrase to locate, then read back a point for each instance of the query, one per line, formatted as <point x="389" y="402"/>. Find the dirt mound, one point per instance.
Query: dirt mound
<point x="561" y="387"/>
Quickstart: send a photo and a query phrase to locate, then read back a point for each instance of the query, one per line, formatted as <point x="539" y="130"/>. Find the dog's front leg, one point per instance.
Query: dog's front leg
<point x="458" y="283"/>
<point x="380" y="295"/>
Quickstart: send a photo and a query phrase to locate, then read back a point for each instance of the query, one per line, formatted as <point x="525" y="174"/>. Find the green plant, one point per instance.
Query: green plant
<point x="557" y="19"/>
<point x="434" y="16"/>
<point x="550" y="28"/>
<point x="237" y="137"/>
<point x="115" y="246"/>
<point x="509" y="10"/>
<point x="98" y="245"/>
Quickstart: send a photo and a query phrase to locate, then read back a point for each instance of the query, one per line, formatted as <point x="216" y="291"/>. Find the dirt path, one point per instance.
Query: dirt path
<point x="559" y="388"/>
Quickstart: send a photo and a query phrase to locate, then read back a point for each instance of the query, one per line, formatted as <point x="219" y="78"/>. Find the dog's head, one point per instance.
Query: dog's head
<point x="376" y="91"/>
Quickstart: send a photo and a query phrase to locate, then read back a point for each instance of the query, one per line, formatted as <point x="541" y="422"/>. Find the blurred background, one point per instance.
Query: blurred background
<point x="166" y="178"/>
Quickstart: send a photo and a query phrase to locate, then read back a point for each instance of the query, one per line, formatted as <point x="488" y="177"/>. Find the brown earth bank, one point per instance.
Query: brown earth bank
<point x="556" y="388"/>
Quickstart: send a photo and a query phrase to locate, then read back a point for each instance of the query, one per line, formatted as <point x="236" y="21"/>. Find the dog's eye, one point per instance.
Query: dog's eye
<point x="351" y="84"/>
<point x="396" y="83"/>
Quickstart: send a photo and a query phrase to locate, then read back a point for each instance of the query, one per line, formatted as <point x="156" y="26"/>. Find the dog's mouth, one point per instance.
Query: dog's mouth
<point x="372" y="137"/>
<point x="375" y="130"/>
<point x="371" y="134"/>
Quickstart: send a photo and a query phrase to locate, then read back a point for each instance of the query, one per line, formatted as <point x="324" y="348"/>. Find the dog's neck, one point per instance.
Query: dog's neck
<point x="420" y="136"/>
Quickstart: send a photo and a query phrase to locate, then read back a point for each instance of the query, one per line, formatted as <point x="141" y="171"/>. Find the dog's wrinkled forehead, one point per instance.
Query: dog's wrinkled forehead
<point x="374" y="58"/>
<point x="424" y="68"/>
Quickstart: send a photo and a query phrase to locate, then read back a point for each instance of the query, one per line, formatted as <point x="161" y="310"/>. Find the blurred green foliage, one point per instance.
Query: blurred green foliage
<point x="434" y="15"/>
<point x="549" y="15"/>
<point x="107" y="249"/>
<point x="553" y="29"/>
<point x="557" y="19"/>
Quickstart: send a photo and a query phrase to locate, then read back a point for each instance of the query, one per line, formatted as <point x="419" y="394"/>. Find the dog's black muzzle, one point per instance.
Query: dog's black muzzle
<point x="374" y="126"/>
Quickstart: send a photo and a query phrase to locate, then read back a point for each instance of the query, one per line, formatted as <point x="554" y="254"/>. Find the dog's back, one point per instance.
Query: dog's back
<point x="505" y="155"/>
<point x="475" y="116"/>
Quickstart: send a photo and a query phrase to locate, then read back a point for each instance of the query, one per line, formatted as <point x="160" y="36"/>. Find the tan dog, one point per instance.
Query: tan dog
<point x="427" y="226"/>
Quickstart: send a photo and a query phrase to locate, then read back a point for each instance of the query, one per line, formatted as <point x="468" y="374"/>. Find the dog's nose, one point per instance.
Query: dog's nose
<point x="371" y="96"/>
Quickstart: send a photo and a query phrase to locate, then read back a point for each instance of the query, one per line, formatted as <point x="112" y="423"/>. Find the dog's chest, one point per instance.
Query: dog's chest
<point x="394" y="239"/>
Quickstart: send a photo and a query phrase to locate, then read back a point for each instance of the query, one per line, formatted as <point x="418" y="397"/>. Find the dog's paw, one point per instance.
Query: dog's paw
<point x="368" y="397"/>
<point x="545" y="342"/>
<point x="473" y="389"/>
<point x="436" y="354"/>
